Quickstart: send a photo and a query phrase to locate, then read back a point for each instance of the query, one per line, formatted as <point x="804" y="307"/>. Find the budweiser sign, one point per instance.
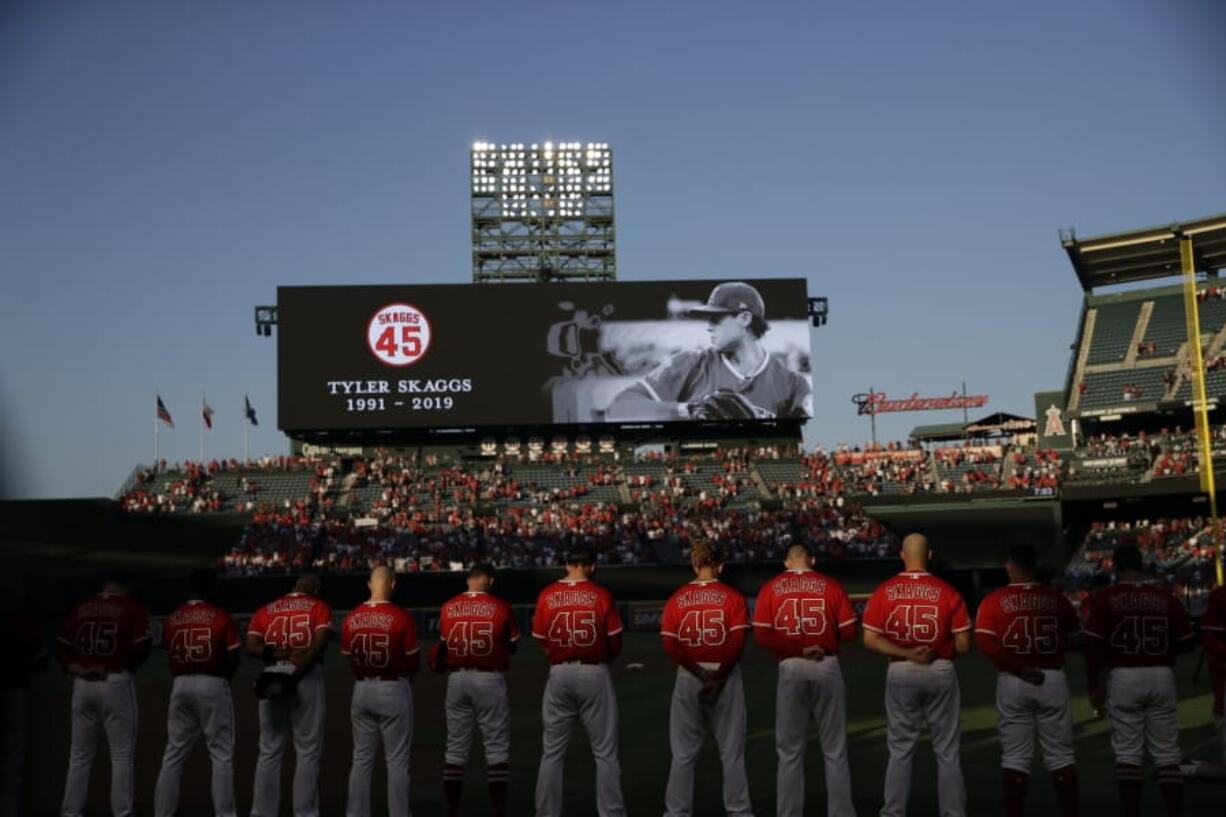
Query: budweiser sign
<point x="878" y="403"/>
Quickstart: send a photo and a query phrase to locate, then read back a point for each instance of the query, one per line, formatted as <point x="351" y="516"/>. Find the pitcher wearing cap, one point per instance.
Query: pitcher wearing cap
<point x="735" y="361"/>
<point x="577" y="624"/>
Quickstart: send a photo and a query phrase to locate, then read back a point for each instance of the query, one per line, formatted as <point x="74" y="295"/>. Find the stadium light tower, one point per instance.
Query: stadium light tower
<point x="542" y="212"/>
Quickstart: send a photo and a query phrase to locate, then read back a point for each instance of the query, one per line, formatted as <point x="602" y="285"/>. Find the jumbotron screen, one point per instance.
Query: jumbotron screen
<point x="482" y="355"/>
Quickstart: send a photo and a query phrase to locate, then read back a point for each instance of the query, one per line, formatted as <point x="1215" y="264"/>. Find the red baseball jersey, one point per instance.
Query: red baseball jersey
<point x="703" y="619"/>
<point x="574" y="621"/>
<point x="106" y="633"/>
<point x="1025" y="625"/>
<point x="378" y="638"/>
<point x="918" y="610"/>
<point x="1214" y="627"/>
<point x="1137" y="624"/>
<point x="197" y="637"/>
<point x="803" y="608"/>
<point x="290" y="622"/>
<point x="478" y="630"/>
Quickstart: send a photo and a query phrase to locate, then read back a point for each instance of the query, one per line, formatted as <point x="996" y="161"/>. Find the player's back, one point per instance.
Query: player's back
<point x="918" y="609"/>
<point x="108" y="632"/>
<point x="1030" y="621"/>
<point x="378" y="637"/>
<point x="1138" y="624"/>
<point x="574" y="619"/>
<point x="807" y="606"/>
<point x="701" y="616"/>
<point x="290" y="622"/>
<point x="478" y="629"/>
<point x="197" y="636"/>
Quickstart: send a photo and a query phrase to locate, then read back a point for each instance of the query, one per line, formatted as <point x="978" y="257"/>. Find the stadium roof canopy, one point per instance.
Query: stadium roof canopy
<point x="1142" y="255"/>
<point x="1000" y="424"/>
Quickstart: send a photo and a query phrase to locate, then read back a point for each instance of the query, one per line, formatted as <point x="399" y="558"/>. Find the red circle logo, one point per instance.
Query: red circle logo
<point x="398" y="334"/>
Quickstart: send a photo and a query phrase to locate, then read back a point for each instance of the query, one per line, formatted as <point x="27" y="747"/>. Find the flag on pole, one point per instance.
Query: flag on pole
<point x="206" y="412"/>
<point x="249" y="410"/>
<point x="163" y="414"/>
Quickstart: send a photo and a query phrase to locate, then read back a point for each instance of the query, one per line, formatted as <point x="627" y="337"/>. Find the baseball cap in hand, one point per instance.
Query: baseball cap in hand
<point x="732" y="297"/>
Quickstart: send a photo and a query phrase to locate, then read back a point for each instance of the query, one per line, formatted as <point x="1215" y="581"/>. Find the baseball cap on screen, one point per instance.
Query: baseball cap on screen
<point x="730" y="298"/>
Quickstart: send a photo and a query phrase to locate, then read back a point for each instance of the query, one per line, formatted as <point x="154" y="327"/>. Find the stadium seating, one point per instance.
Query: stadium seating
<point x="1113" y="329"/>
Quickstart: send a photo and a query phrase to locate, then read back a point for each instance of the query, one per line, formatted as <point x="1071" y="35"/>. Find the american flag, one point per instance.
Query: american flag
<point x="163" y="414"/>
<point x="249" y="410"/>
<point x="206" y="412"/>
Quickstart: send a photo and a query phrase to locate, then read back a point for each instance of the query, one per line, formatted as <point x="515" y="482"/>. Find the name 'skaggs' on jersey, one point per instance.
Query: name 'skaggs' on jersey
<point x="380" y="640"/>
<point x="198" y="637"/>
<point x="106" y="633"/>
<point x="478" y="630"/>
<point x="801" y="609"/>
<point x="1137" y="625"/>
<point x="705" y="623"/>
<point x="1025" y="625"/>
<point x="577" y="621"/>
<point x="290" y="622"/>
<point x="918" y="610"/>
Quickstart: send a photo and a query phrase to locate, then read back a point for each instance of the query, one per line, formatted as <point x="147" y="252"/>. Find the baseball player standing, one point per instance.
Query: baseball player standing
<point x="479" y="634"/>
<point x="577" y="624"/>
<point x="201" y="646"/>
<point x="1134" y="630"/>
<point x="1024" y="629"/>
<point x="801" y="616"/>
<point x="290" y="635"/>
<point x="21" y="633"/>
<point x="103" y="641"/>
<point x="704" y="628"/>
<point x="919" y="622"/>
<point x="380" y="641"/>
<point x="1213" y="627"/>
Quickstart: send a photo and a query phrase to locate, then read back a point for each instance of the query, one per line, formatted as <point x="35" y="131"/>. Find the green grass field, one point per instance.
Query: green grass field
<point x="643" y="698"/>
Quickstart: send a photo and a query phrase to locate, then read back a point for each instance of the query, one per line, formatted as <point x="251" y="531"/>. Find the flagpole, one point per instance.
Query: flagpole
<point x="156" y="458"/>
<point x="202" y="405"/>
<point x="246" y="429"/>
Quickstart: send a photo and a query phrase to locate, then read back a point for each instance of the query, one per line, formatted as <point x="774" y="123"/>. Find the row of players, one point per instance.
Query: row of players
<point x="1133" y="631"/>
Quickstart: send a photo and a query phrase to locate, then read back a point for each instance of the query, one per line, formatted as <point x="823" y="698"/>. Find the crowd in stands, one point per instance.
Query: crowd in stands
<point x="1179" y="550"/>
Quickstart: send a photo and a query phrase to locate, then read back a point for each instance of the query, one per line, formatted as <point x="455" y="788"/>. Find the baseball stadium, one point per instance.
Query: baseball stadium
<point x="541" y="539"/>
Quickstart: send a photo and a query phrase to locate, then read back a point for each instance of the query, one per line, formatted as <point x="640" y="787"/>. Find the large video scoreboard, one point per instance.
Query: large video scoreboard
<point x="499" y="355"/>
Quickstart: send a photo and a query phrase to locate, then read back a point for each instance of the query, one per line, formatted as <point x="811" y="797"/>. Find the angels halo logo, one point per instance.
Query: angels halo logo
<point x="398" y="334"/>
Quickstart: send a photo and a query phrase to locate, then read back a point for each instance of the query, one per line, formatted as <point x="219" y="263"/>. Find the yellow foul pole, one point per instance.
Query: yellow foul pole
<point x="1200" y="405"/>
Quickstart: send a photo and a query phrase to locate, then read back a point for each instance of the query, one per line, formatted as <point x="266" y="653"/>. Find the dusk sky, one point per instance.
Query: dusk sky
<point x="165" y="166"/>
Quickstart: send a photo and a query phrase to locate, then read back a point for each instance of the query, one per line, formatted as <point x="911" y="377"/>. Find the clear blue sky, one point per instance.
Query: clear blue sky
<point x="164" y="166"/>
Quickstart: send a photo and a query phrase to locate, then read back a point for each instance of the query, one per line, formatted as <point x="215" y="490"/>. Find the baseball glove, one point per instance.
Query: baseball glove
<point x="436" y="659"/>
<point x="271" y="685"/>
<point x="723" y="404"/>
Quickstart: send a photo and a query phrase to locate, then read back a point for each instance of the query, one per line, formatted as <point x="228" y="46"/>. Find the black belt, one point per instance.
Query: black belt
<point x="382" y="678"/>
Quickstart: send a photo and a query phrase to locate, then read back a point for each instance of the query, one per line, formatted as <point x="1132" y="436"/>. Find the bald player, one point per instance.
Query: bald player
<point x="479" y="635"/>
<point x="380" y="641"/>
<point x="802" y="616"/>
<point x="102" y="642"/>
<point x="1024" y="628"/>
<point x="1134" y="629"/>
<point x="201" y="644"/>
<point x="920" y="622"/>
<point x="735" y="361"/>
<point x="577" y="624"/>
<point x="704" y="629"/>
<point x="290" y="635"/>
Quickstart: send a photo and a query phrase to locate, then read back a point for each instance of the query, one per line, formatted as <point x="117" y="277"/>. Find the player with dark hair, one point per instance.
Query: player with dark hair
<point x="920" y="623"/>
<point x="102" y="642"/>
<point x="802" y="616"/>
<point x="704" y="628"/>
<point x="290" y="635"/>
<point x="201" y="644"/>
<point x="577" y="624"/>
<point x="1024" y="628"/>
<point x="734" y="379"/>
<point x="1134" y="629"/>
<point x="479" y="635"/>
